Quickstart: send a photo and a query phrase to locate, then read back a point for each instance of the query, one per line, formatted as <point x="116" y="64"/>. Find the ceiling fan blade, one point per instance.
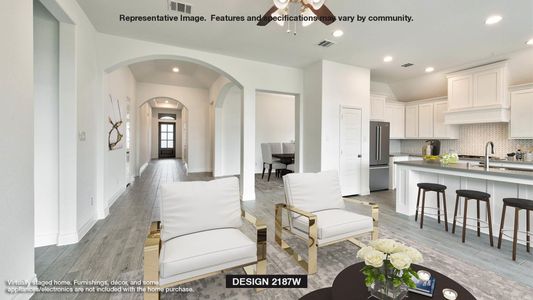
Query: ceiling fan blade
<point x="325" y="15"/>
<point x="265" y="19"/>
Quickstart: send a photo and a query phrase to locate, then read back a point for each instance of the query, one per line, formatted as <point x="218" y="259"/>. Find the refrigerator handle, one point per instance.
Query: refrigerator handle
<point x="377" y="143"/>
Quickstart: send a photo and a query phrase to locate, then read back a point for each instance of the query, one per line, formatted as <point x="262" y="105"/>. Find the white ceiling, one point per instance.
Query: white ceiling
<point x="160" y="71"/>
<point x="165" y="103"/>
<point x="444" y="34"/>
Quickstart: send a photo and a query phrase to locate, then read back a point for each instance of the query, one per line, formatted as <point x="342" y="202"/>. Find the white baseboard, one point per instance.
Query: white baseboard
<point x="115" y="197"/>
<point x="67" y="238"/>
<point x="142" y="168"/>
<point x="26" y="296"/>
<point x="45" y="239"/>
<point x="85" y="228"/>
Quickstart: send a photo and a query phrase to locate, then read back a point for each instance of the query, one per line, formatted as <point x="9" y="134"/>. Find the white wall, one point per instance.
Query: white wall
<point x="155" y="127"/>
<point x="275" y="122"/>
<point x="144" y="136"/>
<point x="197" y="103"/>
<point x="120" y="85"/>
<point x="16" y="157"/>
<point x="350" y="86"/>
<point x="46" y="125"/>
<point x="312" y="118"/>
<point x="230" y="139"/>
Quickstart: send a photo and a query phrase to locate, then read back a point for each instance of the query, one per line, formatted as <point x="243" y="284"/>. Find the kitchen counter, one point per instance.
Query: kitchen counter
<point x="495" y="161"/>
<point x="500" y="183"/>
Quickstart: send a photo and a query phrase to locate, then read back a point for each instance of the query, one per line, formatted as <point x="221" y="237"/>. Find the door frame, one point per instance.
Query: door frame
<point x="159" y="138"/>
<point x="341" y="107"/>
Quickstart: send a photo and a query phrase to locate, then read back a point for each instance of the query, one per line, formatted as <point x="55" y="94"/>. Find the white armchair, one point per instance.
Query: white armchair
<point x="199" y="234"/>
<point x="317" y="214"/>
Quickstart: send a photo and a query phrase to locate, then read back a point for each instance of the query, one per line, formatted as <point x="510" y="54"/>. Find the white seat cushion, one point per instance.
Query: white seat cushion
<point x="335" y="224"/>
<point x="204" y="252"/>
<point x="189" y="207"/>
<point x="313" y="191"/>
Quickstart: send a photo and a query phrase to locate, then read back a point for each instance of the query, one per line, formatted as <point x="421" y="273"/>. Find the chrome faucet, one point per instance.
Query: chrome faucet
<point x="487" y="159"/>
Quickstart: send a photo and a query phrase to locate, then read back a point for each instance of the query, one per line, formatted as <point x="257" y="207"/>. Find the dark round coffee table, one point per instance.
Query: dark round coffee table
<point x="349" y="284"/>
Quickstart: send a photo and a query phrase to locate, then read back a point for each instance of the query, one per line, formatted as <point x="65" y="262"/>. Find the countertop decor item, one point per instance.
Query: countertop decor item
<point x="388" y="272"/>
<point x="449" y="294"/>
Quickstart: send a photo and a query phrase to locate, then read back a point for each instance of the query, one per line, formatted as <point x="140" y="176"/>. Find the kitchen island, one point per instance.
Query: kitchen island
<point x="499" y="182"/>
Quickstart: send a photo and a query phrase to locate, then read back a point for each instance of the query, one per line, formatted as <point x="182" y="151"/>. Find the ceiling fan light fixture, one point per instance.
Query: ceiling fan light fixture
<point x="281" y="4"/>
<point x="278" y="14"/>
<point x="308" y="13"/>
<point x="317" y="4"/>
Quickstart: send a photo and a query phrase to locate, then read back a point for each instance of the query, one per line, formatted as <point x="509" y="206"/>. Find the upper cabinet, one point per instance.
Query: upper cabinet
<point x="377" y="107"/>
<point x="478" y="95"/>
<point x="395" y="115"/>
<point x="411" y="121"/>
<point x="441" y="129"/>
<point x="521" y="114"/>
<point x="426" y="121"/>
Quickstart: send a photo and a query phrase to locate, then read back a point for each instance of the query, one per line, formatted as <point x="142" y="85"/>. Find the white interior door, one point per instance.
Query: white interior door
<point x="350" y="150"/>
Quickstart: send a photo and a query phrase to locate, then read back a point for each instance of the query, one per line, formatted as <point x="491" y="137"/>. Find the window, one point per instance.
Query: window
<point x="166" y="136"/>
<point x="167" y="117"/>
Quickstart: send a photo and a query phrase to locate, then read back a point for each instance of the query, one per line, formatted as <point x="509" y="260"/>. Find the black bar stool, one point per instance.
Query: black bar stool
<point x="518" y="204"/>
<point x="431" y="187"/>
<point x="478" y="196"/>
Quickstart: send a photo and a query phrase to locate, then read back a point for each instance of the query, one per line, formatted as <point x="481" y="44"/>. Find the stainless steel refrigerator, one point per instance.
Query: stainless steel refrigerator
<point x="379" y="155"/>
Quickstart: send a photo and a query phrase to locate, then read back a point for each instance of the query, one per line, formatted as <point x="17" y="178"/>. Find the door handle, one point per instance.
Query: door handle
<point x="359" y="156"/>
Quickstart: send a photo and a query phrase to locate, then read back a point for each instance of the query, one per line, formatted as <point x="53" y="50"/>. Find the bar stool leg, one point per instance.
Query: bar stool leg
<point x="527" y="230"/>
<point x="455" y="214"/>
<point x="417" y="204"/>
<point x="515" y="233"/>
<point x="478" y="223"/>
<point x="490" y="223"/>
<point x="501" y="226"/>
<point x="445" y="211"/>
<point x="438" y="207"/>
<point x="464" y="219"/>
<point x="423" y="205"/>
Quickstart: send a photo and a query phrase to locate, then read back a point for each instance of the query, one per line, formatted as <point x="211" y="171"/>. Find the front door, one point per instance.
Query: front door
<point x="350" y="151"/>
<point x="167" y="140"/>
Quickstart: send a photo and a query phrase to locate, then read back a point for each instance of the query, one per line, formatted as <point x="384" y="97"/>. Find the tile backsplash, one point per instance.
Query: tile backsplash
<point x="472" y="140"/>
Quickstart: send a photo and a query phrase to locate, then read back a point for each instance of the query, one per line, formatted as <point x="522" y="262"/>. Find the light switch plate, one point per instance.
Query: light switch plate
<point x="82" y="136"/>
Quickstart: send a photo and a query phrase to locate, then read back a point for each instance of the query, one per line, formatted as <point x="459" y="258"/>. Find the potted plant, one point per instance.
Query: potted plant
<point x="387" y="270"/>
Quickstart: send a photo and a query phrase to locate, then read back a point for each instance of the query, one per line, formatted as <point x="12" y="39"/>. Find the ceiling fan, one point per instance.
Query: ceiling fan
<point x="308" y="9"/>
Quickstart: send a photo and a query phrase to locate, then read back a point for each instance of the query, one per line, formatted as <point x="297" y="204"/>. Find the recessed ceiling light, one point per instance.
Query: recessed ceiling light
<point x="430" y="69"/>
<point x="175" y="69"/>
<point x="387" y="59"/>
<point x="166" y="101"/>
<point x="338" y="33"/>
<point x="493" y="20"/>
<point x="530" y="42"/>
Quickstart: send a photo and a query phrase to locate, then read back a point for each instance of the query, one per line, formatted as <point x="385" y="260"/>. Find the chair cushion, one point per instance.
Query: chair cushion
<point x="290" y="167"/>
<point x="205" y="252"/>
<point x="432" y="187"/>
<point x="189" y="207"/>
<point x="471" y="194"/>
<point x="312" y="192"/>
<point x="334" y="223"/>
<point x="518" y="202"/>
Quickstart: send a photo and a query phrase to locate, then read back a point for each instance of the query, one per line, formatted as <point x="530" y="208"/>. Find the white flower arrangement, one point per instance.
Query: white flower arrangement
<point x="388" y="260"/>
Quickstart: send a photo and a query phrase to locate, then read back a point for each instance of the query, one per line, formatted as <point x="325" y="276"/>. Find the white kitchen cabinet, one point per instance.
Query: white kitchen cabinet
<point x="440" y="129"/>
<point x="392" y="169"/>
<point x="395" y="115"/>
<point x="411" y="121"/>
<point x="478" y="95"/>
<point x="425" y="120"/>
<point x="522" y="114"/>
<point x="460" y="92"/>
<point x="377" y="107"/>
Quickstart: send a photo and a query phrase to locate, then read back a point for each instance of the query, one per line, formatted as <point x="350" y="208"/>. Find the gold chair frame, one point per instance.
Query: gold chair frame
<point x="152" y="248"/>
<point x="311" y="264"/>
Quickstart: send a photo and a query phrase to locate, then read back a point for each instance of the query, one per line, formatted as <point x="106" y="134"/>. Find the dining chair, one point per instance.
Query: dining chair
<point x="288" y="147"/>
<point x="266" y="153"/>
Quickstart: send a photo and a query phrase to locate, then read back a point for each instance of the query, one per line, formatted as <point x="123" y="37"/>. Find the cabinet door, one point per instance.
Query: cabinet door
<point x="411" y="121"/>
<point x="522" y="114"/>
<point x="377" y="108"/>
<point x="395" y="115"/>
<point x="488" y="88"/>
<point x="460" y="92"/>
<point x="425" y="120"/>
<point x="440" y="129"/>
